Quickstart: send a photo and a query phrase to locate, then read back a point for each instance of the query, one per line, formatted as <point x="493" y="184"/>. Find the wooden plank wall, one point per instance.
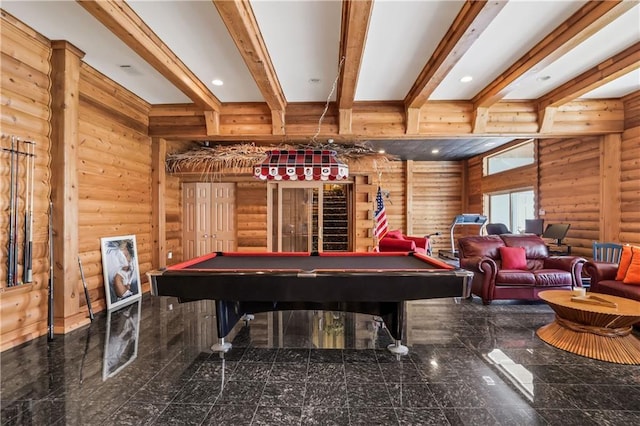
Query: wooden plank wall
<point x="436" y="198"/>
<point x="251" y="210"/>
<point x="173" y="208"/>
<point x="630" y="172"/>
<point x="570" y="188"/>
<point x="24" y="90"/>
<point x="114" y="175"/>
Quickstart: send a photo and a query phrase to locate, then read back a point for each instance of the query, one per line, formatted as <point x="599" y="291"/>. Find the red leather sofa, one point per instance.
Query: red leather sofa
<point x="397" y="241"/>
<point x="603" y="280"/>
<point x="481" y="255"/>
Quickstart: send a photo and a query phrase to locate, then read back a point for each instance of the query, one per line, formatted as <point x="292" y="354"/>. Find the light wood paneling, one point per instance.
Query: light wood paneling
<point x="114" y="168"/>
<point x="570" y="188"/>
<point x="437" y="199"/>
<point x="25" y="98"/>
<point x="630" y="173"/>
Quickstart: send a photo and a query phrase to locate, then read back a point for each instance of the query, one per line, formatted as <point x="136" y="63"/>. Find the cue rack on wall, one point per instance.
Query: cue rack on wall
<point x="18" y="157"/>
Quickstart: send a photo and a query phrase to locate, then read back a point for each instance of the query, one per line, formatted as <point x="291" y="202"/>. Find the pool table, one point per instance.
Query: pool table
<point x="373" y="283"/>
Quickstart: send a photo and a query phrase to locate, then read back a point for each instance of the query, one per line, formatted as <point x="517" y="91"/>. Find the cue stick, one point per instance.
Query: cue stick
<point x="28" y="214"/>
<point x="11" y="268"/>
<point x="86" y="290"/>
<point x="16" y="219"/>
<point x="50" y="316"/>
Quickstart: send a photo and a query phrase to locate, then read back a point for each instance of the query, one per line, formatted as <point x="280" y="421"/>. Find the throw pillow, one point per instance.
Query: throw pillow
<point x="625" y="261"/>
<point x="633" y="272"/>
<point x="397" y="235"/>
<point x="513" y="258"/>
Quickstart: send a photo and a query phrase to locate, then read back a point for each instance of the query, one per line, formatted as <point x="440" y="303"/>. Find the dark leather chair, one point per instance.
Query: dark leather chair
<point x="497" y="229"/>
<point x="481" y="255"/>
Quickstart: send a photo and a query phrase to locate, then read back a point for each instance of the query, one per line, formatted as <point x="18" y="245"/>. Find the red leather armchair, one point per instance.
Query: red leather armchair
<point x="481" y="255"/>
<point x="397" y="241"/>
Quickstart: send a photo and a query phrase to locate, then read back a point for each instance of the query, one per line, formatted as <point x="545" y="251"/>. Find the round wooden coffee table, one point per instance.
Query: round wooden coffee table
<point x="592" y="330"/>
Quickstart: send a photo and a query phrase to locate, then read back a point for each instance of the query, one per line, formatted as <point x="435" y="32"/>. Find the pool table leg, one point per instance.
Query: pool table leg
<point x="398" y="348"/>
<point x="228" y="313"/>
<point x="221" y="346"/>
<point x="396" y="321"/>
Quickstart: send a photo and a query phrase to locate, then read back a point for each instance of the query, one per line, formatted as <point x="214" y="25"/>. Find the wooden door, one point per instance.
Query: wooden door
<point x="223" y="217"/>
<point x="196" y="231"/>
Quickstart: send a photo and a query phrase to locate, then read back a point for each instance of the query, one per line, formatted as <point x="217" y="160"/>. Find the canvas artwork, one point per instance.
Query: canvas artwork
<point x="121" y="342"/>
<point x="120" y="270"/>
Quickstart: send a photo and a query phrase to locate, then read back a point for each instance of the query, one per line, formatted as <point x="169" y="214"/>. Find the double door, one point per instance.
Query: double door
<point x="209" y="218"/>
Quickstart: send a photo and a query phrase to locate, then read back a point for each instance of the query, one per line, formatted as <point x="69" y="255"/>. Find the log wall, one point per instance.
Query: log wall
<point x="251" y="210"/>
<point x="630" y="172"/>
<point x="25" y="97"/>
<point x="569" y="189"/>
<point x="436" y="198"/>
<point x="173" y="208"/>
<point x="114" y="175"/>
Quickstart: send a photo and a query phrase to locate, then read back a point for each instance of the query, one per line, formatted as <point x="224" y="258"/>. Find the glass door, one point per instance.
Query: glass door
<point x="294" y="221"/>
<point x="303" y="214"/>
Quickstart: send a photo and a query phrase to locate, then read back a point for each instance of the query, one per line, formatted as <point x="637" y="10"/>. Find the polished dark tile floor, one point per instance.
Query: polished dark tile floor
<point x="468" y="364"/>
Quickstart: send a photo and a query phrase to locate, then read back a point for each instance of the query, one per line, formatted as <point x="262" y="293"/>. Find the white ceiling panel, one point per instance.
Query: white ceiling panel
<point x="617" y="88"/>
<point x="517" y="28"/>
<point x="66" y="20"/>
<point x="614" y="38"/>
<point x="303" y="40"/>
<point x="402" y="36"/>
<point x="194" y="31"/>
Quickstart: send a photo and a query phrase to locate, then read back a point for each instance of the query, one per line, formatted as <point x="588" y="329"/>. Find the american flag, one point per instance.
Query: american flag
<point x="380" y="227"/>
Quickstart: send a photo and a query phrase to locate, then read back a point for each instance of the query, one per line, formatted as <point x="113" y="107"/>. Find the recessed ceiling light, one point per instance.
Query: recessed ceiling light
<point x="489" y="144"/>
<point x="217" y="82"/>
<point x="381" y="151"/>
<point x="466" y="79"/>
<point x="435" y="151"/>
<point x="129" y="69"/>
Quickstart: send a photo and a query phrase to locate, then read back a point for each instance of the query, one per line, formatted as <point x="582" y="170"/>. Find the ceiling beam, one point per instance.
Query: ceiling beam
<point x="243" y="27"/>
<point x="616" y="66"/>
<point x="122" y="21"/>
<point x="356" y="16"/>
<point x="472" y="20"/>
<point x="591" y="18"/>
<point x="608" y="70"/>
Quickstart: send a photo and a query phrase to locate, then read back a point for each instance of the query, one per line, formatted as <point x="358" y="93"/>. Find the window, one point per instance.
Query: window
<point x="512" y="209"/>
<point x="511" y="158"/>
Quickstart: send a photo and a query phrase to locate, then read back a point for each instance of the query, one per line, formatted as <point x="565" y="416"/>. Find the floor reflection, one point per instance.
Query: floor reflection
<point x="468" y="364"/>
<point x="121" y="341"/>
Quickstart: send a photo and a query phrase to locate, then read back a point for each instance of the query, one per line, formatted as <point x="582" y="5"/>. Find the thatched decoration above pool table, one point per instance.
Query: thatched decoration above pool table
<point x="218" y="160"/>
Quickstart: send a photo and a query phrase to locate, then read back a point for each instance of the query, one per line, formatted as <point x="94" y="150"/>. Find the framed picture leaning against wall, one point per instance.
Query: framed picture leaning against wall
<point x="120" y="270"/>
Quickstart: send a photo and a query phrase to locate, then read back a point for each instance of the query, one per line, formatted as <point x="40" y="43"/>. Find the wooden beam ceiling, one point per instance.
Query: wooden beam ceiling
<point x="591" y="18"/>
<point x="356" y="16"/>
<point x="471" y="21"/>
<point x="122" y="21"/>
<point x="241" y="23"/>
<point x="624" y="62"/>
